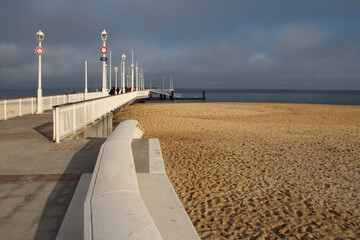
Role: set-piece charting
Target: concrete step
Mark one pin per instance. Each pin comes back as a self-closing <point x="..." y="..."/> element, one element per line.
<point x="157" y="192"/>
<point x="165" y="207"/>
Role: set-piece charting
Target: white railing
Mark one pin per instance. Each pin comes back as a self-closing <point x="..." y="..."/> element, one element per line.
<point x="10" y="108"/>
<point x="165" y="92"/>
<point x="70" y="118"/>
<point x="17" y="107"/>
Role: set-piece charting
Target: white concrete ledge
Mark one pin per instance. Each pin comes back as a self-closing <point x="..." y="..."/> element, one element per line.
<point x="165" y="207"/>
<point x="113" y="207"/>
<point x="122" y="215"/>
<point x="155" y="157"/>
<point x="122" y="203"/>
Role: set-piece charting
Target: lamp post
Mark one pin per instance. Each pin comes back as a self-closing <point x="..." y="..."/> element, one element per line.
<point x="86" y="88"/>
<point x="115" y="69"/>
<point x="40" y="37"/>
<point x="142" y="79"/>
<point x="110" y="72"/>
<point x="132" y="70"/>
<point x="137" y="76"/>
<point x="123" y="58"/>
<point x="104" y="37"/>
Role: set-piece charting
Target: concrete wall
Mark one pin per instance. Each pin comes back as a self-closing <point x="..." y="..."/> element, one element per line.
<point x="113" y="207"/>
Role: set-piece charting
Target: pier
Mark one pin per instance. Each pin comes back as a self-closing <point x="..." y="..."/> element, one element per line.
<point x="44" y="184"/>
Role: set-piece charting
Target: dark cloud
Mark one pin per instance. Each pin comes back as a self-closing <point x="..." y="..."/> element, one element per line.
<point x="205" y="44"/>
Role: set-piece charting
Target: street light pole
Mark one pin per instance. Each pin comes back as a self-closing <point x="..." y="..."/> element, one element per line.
<point x="116" y="69"/>
<point x="142" y="79"/>
<point x="40" y="37"/>
<point x="132" y="70"/>
<point x="86" y="89"/>
<point x="104" y="37"/>
<point x="110" y="72"/>
<point x="137" y="75"/>
<point x="123" y="58"/>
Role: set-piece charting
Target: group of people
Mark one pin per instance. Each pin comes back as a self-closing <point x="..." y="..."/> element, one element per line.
<point x="113" y="90"/>
<point x="117" y="90"/>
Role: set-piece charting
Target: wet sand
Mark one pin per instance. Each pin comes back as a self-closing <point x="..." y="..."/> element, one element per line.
<point x="261" y="171"/>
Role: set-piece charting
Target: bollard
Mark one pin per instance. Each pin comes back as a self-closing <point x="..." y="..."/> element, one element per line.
<point x="32" y="105"/>
<point x="20" y="112"/>
<point x="5" y="116"/>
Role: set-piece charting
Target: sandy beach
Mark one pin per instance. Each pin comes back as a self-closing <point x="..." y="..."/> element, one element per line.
<point x="261" y="171"/>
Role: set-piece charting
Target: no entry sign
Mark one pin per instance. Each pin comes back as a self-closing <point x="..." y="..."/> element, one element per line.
<point x="103" y="50"/>
<point x="39" y="50"/>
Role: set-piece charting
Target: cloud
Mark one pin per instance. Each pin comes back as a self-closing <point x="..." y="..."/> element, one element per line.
<point x="259" y="59"/>
<point x="205" y="43"/>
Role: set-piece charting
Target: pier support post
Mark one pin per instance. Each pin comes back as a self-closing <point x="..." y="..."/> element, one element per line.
<point x="172" y="95"/>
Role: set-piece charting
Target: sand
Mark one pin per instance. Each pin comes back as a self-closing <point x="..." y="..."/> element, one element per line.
<point x="261" y="171"/>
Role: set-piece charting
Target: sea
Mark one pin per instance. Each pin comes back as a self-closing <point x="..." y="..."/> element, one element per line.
<point x="335" y="97"/>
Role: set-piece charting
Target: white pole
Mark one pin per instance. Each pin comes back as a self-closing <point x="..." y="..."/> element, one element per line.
<point x="20" y="113"/>
<point x="116" y="69"/>
<point x="121" y="76"/>
<point x="137" y="76"/>
<point x="110" y="72"/>
<point x="86" y="88"/>
<point x="142" y="79"/>
<point x="128" y="78"/>
<point x="104" y="72"/>
<point x="123" y="58"/>
<point x="163" y="83"/>
<point x="132" y="70"/>
<point x="39" y="91"/>
<point x="5" y="115"/>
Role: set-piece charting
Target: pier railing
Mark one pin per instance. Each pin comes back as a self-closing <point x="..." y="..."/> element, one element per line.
<point x="70" y="118"/>
<point x="10" y="108"/>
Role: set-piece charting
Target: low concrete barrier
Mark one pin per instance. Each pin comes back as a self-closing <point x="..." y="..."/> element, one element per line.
<point x="113" y="207"/>
<point x="129" y="195"/>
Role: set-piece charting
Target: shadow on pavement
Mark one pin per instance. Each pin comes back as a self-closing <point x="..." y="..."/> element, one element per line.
<point x="46" y="130"/>
<point x="83" y="161"/>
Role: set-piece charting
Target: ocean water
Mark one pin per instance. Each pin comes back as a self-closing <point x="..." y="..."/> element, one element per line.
<point x="275" y="96"/>
<point x="232" y="95"/>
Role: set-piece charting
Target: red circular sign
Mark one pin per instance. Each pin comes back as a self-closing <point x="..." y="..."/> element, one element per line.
<point x="39" y="50"/>
<point x="103" y="50"/>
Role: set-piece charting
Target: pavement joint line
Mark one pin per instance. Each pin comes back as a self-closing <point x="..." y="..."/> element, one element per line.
<point x="40" y="177"/>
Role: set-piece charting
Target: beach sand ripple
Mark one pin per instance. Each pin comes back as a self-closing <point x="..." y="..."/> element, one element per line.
<point x="261" y="171"/>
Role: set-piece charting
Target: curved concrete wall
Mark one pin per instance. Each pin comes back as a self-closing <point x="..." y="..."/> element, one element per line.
<point x="113" y="207"/>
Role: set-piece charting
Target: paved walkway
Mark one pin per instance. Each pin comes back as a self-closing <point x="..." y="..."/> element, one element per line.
<point x="38" y="177"/>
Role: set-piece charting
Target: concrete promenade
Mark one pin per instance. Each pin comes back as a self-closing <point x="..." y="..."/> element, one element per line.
<point x="38" y="177"/>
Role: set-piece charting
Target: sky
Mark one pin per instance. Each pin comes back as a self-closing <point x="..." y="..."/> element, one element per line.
<point x="208" y="44"/>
